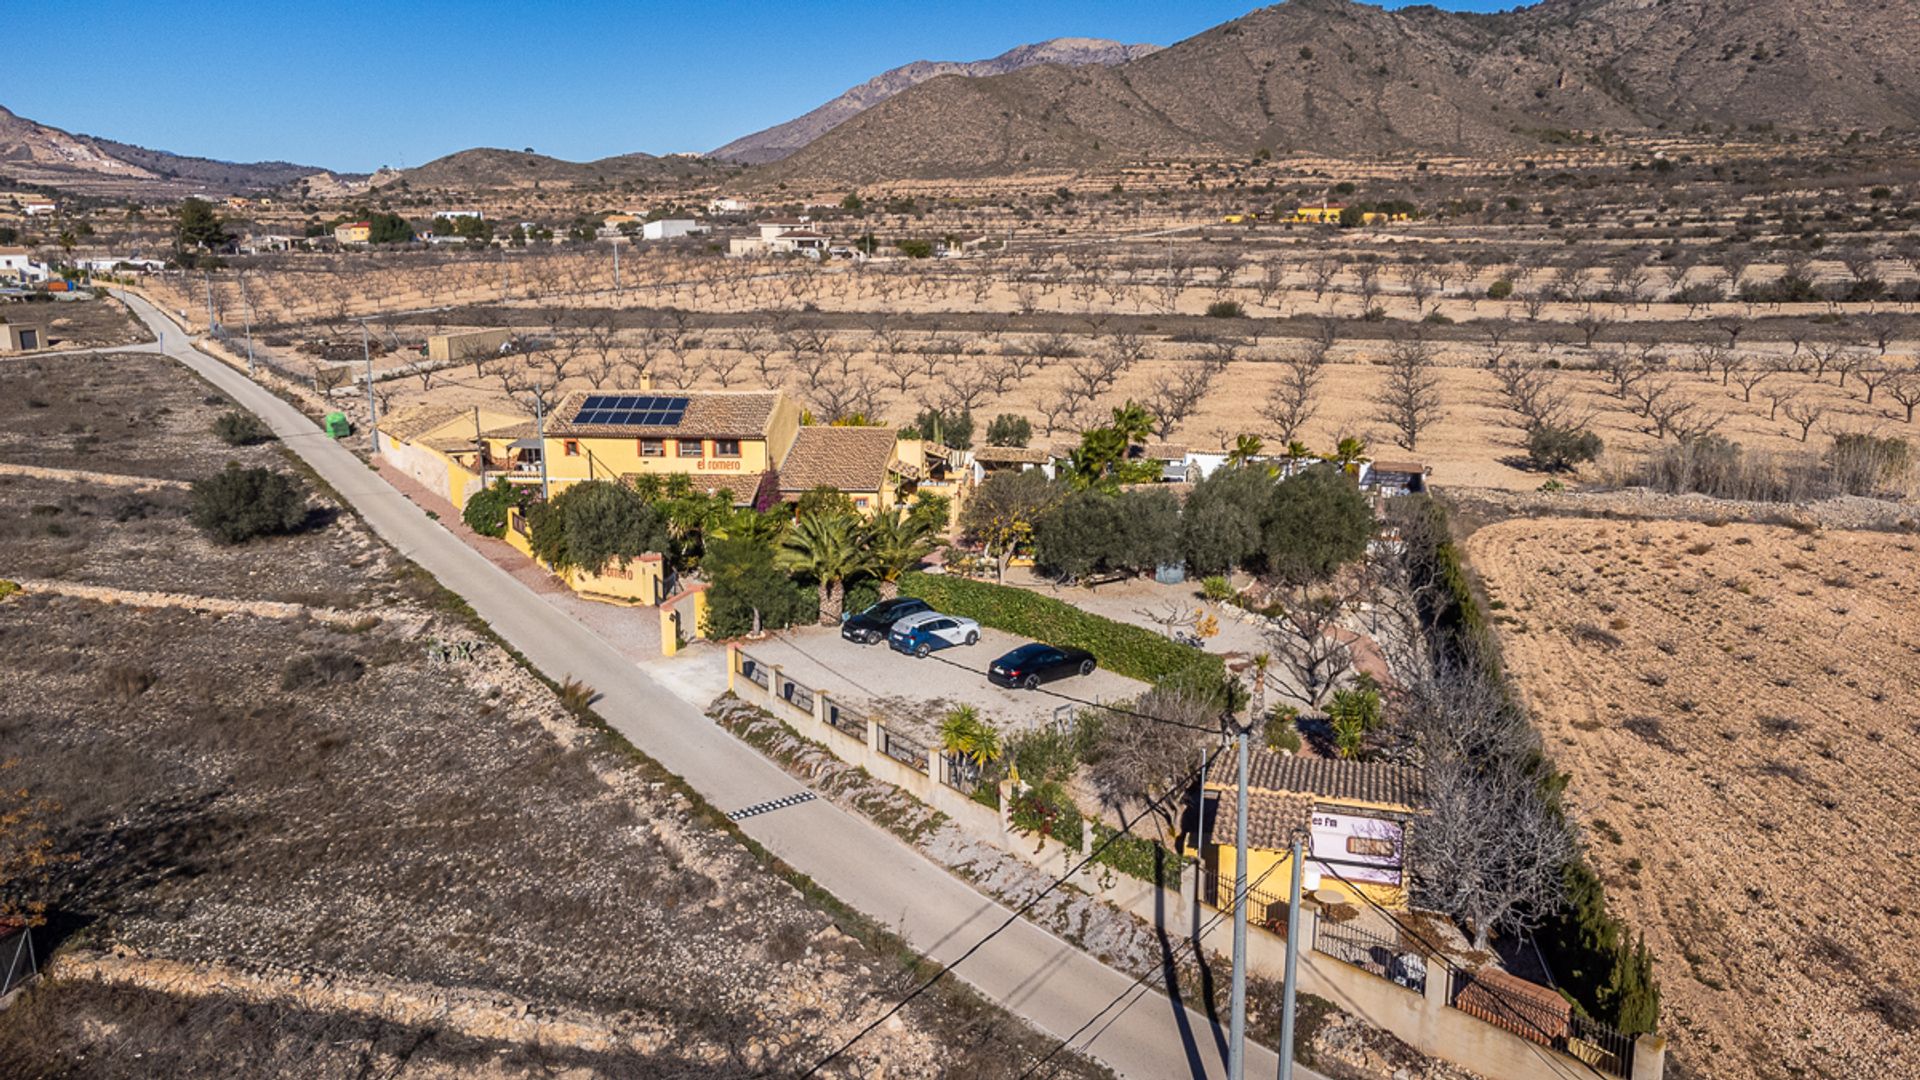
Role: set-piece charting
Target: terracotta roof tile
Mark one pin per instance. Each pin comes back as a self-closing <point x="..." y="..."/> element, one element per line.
<point x="1325" y="778"/>
<point x="843" y="458"/>
<point x="713" y="414"/>
<point x="1011" y="455"/>
<point x="409" y="424"/>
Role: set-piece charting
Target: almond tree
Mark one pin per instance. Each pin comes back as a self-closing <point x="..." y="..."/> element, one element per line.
<point x="1293" y="400"/>
<point x="1410" y="402"/>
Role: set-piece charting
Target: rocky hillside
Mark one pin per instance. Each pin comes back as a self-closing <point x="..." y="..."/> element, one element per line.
<point x="1342" y="77"/>
<point x="781" y="140"/>
<point x="490" y="169"/>
<point x="40" y="154"/>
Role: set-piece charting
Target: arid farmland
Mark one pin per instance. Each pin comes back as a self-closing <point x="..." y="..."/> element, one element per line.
<point x="1738" y="706"/>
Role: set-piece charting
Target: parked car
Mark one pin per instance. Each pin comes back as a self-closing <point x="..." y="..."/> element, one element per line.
<point x="1030" y="665"/>
<point x="931" y="631"/>
<point x="869" y="626"/>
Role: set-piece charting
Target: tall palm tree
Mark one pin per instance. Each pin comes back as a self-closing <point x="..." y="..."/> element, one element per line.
<point x="896" y="541"/>
<point x="1349" y="453"/>
<point x="827" y="548"/>
<point x="1245" y="449"/>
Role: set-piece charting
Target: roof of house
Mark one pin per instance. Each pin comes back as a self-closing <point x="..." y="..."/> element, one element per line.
<point x="1325" y="778"/>
<point x="1163" y="452"/>
<point x="742" y="486"/>
<point x="801" y="234"/>
<point x="409" y="424"/>
<point x="14" y="251"/>
<point x="1010" y="455"/>
<point x="843" y="458"/>
<point x="1274" y="819"/>
<point x="1411" y="468"/>
<point x="713" y="414"/>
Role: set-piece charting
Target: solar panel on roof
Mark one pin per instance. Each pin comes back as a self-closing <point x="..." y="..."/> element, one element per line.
<point x="631" y="410"/>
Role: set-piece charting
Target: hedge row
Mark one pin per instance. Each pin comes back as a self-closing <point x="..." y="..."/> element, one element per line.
<point x="1132" y="651"/>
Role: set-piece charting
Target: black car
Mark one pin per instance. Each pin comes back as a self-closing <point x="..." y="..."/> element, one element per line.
<point x="1030" y="665"/>
<point x="872" y="624"/>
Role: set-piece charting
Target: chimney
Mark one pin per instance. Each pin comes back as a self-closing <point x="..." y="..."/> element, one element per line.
<point x="646" y="381"/>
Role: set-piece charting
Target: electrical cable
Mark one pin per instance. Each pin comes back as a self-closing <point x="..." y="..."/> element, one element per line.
<point x="1144" y="981"/>
<point x="1179" y="789"/>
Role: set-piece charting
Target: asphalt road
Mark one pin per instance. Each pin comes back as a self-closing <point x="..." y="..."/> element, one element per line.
<point x="1028" y="970"/>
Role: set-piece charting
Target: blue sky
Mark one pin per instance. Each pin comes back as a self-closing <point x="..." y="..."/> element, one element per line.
<point x="353" y="85"/>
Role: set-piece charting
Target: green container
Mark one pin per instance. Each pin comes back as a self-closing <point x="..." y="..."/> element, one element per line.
<point x="336" y="426"/>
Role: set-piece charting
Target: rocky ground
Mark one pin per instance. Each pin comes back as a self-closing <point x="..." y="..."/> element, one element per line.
<point x="297" y="845"/>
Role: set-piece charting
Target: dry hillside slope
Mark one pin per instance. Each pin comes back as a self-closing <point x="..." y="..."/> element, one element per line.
<point x="1341" y="77"/>
<point x="778" y="141"/>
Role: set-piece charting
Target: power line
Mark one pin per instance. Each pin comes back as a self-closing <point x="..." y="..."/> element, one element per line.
<point x="1098" y="849"/>
<point x="1143" y="982"/>
<point x="1446" y="962"/>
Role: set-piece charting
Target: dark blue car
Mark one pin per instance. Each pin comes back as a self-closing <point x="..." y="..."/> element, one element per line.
<point x="1030" y="665"/>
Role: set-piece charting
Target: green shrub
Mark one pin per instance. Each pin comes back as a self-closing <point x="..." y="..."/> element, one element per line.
<point x="8" y="588"/>
<point x="1226" y="309"/>
<point x="1217" y="588"/>
<point x="916" y="249"/>
<point x="240" y="429"/>
<point x="744" y="580"/>
<point x="1500" y="290"/>
<point x="1135" y="856"/>
<point x="1126" y="650"/>
<point x="1281" y="736"/>
<point x="235" y="505"/>
<point x="328" y="667"/>
<point x="486" y="511"/>
<point x="1047" y="810"/>
<point x="1556" y="449"/>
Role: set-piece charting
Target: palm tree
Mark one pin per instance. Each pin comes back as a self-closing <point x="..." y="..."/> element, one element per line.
<point x="827" y="548"/>
<point x="1133" y="422"/>
<point x="1245" y="449"/>
<point x="965" y="737"/>
<point x="896" y="542"/>
<point x="1349" y="453"/>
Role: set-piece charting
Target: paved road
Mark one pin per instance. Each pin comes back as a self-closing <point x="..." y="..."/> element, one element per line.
<point x="1027" y="969"/>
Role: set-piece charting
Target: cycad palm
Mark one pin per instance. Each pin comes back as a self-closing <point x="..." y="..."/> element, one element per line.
<point x="964" y="735"/>
<point x="1133" y="422"/>
<point x="896" y="542"/>
<point x="1349" y="453"/>
<point x="829" y="549"/>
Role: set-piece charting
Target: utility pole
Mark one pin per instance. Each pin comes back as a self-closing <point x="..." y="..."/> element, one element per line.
<point x="540" y="432"/>
<point x="207" y="275"/>
<point x="616" y="264"/>
<point x="1237" y="1026"/>
<point x="373" y="414"/>
<point x="246" y="313"/>
<point x="1293" y="965"/>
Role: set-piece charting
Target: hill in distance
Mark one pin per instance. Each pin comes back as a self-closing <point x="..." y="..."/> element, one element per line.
<point x="488" y="169"/>
<point x="38" y="153"/>
<point x="1337" y="77"/>
<point x="778" y="141"/>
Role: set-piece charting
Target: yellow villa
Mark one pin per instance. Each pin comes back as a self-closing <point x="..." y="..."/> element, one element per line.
<point x="1356" y="818"/>
<point x="733" y="441"/>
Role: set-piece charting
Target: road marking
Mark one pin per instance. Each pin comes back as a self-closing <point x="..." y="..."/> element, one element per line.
<point x="771" y="805"/>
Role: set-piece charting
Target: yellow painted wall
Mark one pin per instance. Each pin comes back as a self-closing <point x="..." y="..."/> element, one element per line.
<point x="641" y="581"/>
<point x="1260" y="861"/>
<point x="613" y="458"/>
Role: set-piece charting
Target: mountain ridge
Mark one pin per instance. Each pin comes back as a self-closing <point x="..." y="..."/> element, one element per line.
<point x="38" y="153"/>
<point x="1335" y="76"/>
<point x="773" y="143"/>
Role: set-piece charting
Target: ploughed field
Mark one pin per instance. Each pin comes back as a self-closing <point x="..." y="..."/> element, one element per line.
<point x="1739" y="707"/>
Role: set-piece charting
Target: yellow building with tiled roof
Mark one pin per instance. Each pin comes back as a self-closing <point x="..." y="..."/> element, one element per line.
<point x="1354" y="816"/>
<point x="720" y="439"/>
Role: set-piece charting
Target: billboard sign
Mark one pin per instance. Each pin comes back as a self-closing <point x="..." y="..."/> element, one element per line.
<point x="1359" y="847"/>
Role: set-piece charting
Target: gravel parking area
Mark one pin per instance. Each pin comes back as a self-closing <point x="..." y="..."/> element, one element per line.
<point x="908" y="693"/>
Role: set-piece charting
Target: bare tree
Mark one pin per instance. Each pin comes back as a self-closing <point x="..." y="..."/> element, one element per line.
<point x="1750" y="373"/>
<point x="1904" y="387"/>
<point x="1591" y="324"/>
<point x="1410" y="401"/>
<point x="842" y="397"/>
<point x="1804" y="412"/>
<point x="1307" y="638"/>
<point x="1294" y="399"/>
<point x="1536" y="397"/>
<point x="1063" y="410"/>
<point x="1493" y="852"/>
<point x="1151" y="749"/>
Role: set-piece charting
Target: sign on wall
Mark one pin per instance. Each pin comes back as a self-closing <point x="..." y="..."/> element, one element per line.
<point x="1359" y="847"/>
